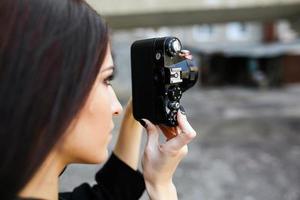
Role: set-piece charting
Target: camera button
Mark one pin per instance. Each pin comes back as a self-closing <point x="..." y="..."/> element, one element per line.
<point x="174" y="105"/>
<point x="158" y="56"/>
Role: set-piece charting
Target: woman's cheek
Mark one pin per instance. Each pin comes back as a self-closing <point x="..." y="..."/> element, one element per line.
<point x="100" y="107"/>
<point x="97" y="136"/>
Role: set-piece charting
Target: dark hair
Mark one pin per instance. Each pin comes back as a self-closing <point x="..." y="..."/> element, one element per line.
<point x="50" y="54"/>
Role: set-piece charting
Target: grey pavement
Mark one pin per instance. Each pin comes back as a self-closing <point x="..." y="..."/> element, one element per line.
<point x="247" y="148"/>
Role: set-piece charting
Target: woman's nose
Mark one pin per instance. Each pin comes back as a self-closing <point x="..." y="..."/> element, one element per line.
<point x="116" y="105"/>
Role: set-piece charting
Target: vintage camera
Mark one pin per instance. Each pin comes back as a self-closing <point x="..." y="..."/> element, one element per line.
<point x="159" y="77"/>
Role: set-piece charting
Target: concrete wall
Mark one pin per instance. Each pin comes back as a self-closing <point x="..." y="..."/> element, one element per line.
<point x="156" y="13"/>
<point x="118" y="7"/>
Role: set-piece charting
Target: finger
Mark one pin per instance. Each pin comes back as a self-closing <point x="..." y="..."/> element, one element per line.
<point x="178" y="142"/>
<point x="129" y="106"/>
<point x="130" y="100"/>
<point x="152" y="133"/>
<point x="185" y="126"/>
<point x="190" y="57"/>
<point x="186" y="53"/>
<point x="182" y="110"/>
<point x="188" y="133"/>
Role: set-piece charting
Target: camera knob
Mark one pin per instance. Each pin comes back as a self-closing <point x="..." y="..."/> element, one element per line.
<point x="174" y="105"/>
<point x="172" y="118"/>
<point x="173" y="46"/>
<point x="174" y="94"/>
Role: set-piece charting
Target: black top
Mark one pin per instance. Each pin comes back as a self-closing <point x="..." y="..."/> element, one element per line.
<point x="115" y="180"/>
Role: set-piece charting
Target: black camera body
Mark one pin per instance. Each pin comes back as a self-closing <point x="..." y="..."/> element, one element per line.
<point x="159" y="77"/>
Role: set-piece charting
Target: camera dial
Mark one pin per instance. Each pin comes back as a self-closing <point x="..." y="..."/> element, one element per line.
<point x="174" y="93"/>
<point x="174" y="105"/>
<point x="173" y="46"/>
<point x="172" y="117"/>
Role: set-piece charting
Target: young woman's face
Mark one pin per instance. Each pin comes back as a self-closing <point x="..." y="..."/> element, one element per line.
<point x="88" y="140"/>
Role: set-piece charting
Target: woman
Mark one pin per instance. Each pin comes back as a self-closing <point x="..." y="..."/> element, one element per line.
<point x="57" y="105"/>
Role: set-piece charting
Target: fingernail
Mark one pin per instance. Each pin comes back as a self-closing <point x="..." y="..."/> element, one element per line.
<point x="182" y="110"/>
<point x="143" y="123"/>
<point x="184" y="51"/>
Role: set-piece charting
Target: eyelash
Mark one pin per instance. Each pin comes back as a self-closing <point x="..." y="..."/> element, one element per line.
<point x="108" y="79"/>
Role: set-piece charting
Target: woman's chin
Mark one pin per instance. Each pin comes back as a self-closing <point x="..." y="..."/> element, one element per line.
<point x="94" y="159"/>
<point x="100" y="158"/>
<point x="103" y="158"/>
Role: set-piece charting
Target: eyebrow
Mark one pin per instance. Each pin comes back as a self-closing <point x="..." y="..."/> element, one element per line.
<point x="109" y="68"/>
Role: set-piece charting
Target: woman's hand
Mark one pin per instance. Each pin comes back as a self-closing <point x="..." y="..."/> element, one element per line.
<point x="161" y="160"/>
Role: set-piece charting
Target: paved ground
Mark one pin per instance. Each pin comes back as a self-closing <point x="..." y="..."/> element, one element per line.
<point x="248" y="147"/>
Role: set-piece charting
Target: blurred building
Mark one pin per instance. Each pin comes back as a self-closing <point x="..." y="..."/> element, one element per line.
<point x="249" y="43"/>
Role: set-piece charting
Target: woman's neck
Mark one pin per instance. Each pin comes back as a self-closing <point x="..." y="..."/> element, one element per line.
<point x="44" y="184"/>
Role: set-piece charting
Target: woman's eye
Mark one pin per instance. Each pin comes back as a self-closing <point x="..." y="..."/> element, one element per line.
<point x="108" y="80"/>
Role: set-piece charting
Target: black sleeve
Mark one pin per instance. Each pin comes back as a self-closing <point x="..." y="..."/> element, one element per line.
<point x="116" y="180"/>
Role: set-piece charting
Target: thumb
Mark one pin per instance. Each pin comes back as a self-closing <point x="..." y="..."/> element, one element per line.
<point x="188" y="134"/>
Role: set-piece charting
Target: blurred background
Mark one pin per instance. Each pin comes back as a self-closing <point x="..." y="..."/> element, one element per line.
<point x="245" y="106"/>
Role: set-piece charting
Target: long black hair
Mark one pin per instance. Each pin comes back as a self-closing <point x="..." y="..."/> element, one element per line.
<point x="50" y="54"/>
